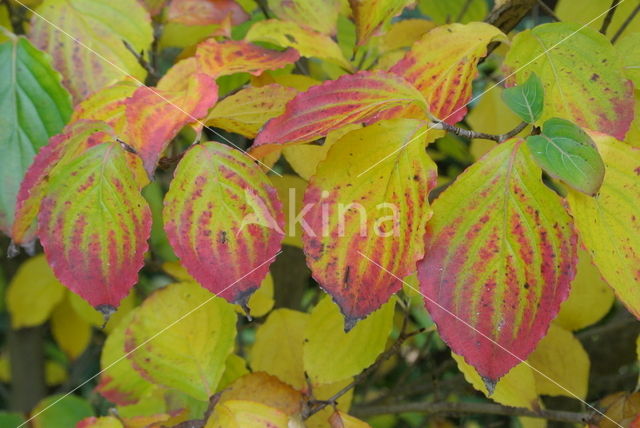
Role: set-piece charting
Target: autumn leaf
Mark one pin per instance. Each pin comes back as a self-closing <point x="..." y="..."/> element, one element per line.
<point x="205" y="12"/>
<point x="370" y="15"/>
<point x="223" y="219"/>
<point x="500" y="253"/>
<point x="85" y="41"/>
<point x="187" y="329"/>
<point x="581" y="73"/>
<point x="442" y="65"/>
<point x="94" y="225"/>
<point x="362" y="97"/>
<point x="242" y="413"/>
<point x="318" y="16"/>
<point x="613" y="214"/>
<point x="355" y="212"/>
<point x="33" y="107"/>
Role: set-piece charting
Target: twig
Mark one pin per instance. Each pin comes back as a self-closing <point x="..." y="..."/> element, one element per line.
<point x="625" y="24"/>
<point x="472" y="408"/>
<point x="15" y="17"/>
<point x="467" y="133"/>
<point x="263" y="7"/>
<point x="464" y="10"/>
<point x="609" y="17"/>
<point x="141" y="60"/>
<point x="548" y="10"/>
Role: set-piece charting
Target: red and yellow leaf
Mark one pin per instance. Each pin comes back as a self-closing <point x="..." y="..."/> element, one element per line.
<point x="582" y="74"/>
<point x="108" y="105"/>
<point x="609" y="223"/>
<point x="246" y="111"/>
<point x="369" y="15"/>
<point x="362" y="97"/>
<point x="320" y="16"/>
<point x="62" y="148"/>
<point x="156" y="115"/>
<point x="500" y="253"/>
<point x="442" y="65"/>
<point x="223" y="219"/>
<point x="66" y="28"/>
<point x="94" y="225"/>
<point x="223" y="58"/>
<point x="354" y="213"/>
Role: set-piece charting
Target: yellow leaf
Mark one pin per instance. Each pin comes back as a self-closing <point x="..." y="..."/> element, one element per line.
<point x="33" y="293"/>
<point x="244" y="414"/>
<point x="234" y="368"/>
<point x="190" y="356"/>
<point x="95" y="318"/>
<point x="590" y="297"/>
<point x="589" y="10"/>
<point x="330" y="354"/>
<point x="609" y="223"/>
<point x="261" y="301"/>
<point x="563" y="362"/>
<point x="307" y="42"/>
<point x="371" y="15"/>
<point x="492" y="115"/>
<point x="517" y="388"/>
<point x="71" y="332"/>
<point x="291" y="192"/>
<point x="54" y="373"/>
<point x="341" y="419"/>
<point x="280" y="354"/>
<point x="304" y="158"/>
<point x="299" y="82"/>
<point x="403" y="34"/>
<point x="447" y="11"/>
<point x="177" y="271"/>
<point x="246" y="111"/>
<point x="324" y="392"/>
<point x="320" y="16"/>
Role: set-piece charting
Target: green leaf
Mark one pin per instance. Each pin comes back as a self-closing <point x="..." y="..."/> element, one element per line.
<point x="526" y="100"/>
<point x="33" y="107"/>
<point x="330" y="354"/>
<point x="566" y="152"/>
<point x="182" y="336"/>
<point x="62" y="411"/>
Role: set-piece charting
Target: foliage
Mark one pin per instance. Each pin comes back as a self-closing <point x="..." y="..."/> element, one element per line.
<point x="198" y="174"/>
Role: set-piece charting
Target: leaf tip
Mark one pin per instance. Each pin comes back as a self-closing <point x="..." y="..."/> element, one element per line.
<point x="106" y="311"/>
<point x="350" y="322"/>
<point x="490" y="384"/>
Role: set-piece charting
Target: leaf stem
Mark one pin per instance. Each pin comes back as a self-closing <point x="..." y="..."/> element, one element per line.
<point x="440" y="408"/>
<point x="609" y="17"/>
<point x="467" y="133"/>
<point x="625" y="24"/>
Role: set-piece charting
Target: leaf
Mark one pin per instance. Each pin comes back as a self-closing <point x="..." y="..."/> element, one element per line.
<point x="95" y="56"/>
<point x="71" y="332"/>
<point x="526" y="100"/>
<point x="500" y="253"/>
<point x="340" y="419"/>
<point x="331" y="355"/>
<point x="262" y="301"/>
<point x="33" y="107"/>
<point x="304" y="158"/>
<point x="628" y="49"/>
<point x="362" y="97"/>
<point x="94" y="225"/>
<point x="102" y="422"/>
<point x="224" y="58"/>
<point x="307" y="42"/>
<point x="326" y="392"/>
<point x="318" y="16"/>
<point x="561" y="358"/>
<point x="205" y="12"/>
<point x="403" y="34"/>
<point x="246" y="111"/>
<point x="447" y="11"/>
<point x="156" y="115"/>
<point x="119" y="382"/>
<point x="11" y="419"/>
<point x="223" y="219"/>
<point x="517" y="388"/>
<point x="281" y="354"/>
<point x="359" y="218"/>
<point x="107" y="105"/>
<point x="582" y="76"/>
<point x="566" y="152"/>
<point x="189" y="355"/>
<point x="592" y="12"/>
<point x="265" y="389"/>
<point x="370" y="15"/>
<point x="242" y="413"/>
<point x="90" y="315"/>
<point x="442" y="65"/>
<point x="609" y="224"/>
<point x="235" y="368"/>
<point x="33" y="293"/>
<point x="62" y="149"/>
<point x="67" y="411"/>
<point x="590" y="298"/>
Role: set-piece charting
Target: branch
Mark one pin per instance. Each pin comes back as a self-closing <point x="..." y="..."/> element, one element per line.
<point x="473" y="134"/>
<point x="548" y="10"/>
<point x="509" y="14"/>
<point x="141" y="60"/>
<point x="625" y="24"/>
<point x="472" y="408"/>
<point x="609" y="17"/>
